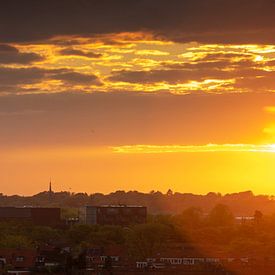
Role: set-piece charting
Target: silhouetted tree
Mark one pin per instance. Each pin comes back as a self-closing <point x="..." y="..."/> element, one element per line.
<point x="258" y="216"/>
<point x="220" y="215"/>
<point x="169" y="192"/>
<point x="190" y="217"/>
<point x="145" y="240"/>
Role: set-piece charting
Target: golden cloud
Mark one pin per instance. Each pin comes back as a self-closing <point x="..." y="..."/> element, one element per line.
<point x="156" y="149"/>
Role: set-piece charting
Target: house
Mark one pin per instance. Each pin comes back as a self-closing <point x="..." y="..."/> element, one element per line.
<point x="19" y="259"/>
<point x="50" y="257"/>
<point x="113" y="255"/>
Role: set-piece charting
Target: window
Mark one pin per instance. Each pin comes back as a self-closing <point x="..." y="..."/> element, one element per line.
<point x="19" y="259"/>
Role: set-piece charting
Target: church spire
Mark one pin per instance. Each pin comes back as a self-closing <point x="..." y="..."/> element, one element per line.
<point x="50" y="192"/>
<point x="50" y="186"/>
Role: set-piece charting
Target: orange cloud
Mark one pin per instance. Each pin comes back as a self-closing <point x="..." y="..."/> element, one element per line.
<point x="140" y="62"/>
<point x="156" y="149"/>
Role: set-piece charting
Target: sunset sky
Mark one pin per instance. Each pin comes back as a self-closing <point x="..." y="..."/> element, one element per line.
<point x="137" y="95"/>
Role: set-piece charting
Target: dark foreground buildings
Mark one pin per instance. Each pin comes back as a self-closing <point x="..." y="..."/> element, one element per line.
<point x="103" y="215"/>
<point x="113" y="215"/>
<point x="35" y="215"/>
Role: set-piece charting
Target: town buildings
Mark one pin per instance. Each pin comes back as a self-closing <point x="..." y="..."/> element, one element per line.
<point x="113" y="215"/>
<point x="35" y="215"/>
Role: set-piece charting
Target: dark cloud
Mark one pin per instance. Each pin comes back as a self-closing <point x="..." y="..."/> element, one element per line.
<point x="224" y="56"/>
<point x="11" y="55"/>
<point x="209" y="21"/>
<point x="153" y="76"/>
<point x="270" y="63"/>
<point x="202" y="65"/>
<point x="77" y="78"/>
<point x="12" y="77"/>
<point x="7" y="48"/>
<point x="172" y="76"/>
<point x="186" y="72"/>
<point x="263" y="82"/>
<point x="70" y="51"/>
<point x="16" y="76"/>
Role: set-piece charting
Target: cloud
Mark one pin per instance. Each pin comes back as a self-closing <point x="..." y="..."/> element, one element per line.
<point x="212" y="65"/>
<point x="233" y="58"/>
<point x="189" y="72"/>
<point x="151" y="52"/>
<point x="11" y="55"/>
<point x="233" y="68"/>
<point x="157" y="149"/>
<point x="77" y="78"/>
<point x="13" y="77"/>
<point x="144" y="76"/>
<point x="262" y="81"/>
<point x="208" y="68"/>
<point x="208" y="21"/>
<point x="156" y="76"/>
<point x="75" y="52"/>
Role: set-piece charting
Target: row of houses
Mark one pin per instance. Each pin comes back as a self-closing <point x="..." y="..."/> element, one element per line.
<point x="30" y="260"/>
<point x="117" y="257"/>
<point x="188" y="261"/>
<point x="94" y="258"/>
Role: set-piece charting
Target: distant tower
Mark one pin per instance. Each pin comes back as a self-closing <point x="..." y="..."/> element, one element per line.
<point x="50" y="189"/>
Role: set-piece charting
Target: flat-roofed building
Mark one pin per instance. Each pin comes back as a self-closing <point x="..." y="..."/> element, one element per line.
<point x="113" y="214"/>
<point x="36" y="215"/>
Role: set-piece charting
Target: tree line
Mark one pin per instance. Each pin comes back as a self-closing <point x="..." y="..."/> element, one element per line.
<point x="212" y="234"/>
<point x="241" y="204"/>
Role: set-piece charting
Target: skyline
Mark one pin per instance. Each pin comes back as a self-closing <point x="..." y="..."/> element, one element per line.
<point x="146" y="95"/>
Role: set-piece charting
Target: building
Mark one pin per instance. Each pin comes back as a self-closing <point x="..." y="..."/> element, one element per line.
<point x="244" y="219"/>
<point x="113" y="215"/>
<point x="20" y="259"/>
<point x="116" y="255"/>
<point x="35" y="215"/>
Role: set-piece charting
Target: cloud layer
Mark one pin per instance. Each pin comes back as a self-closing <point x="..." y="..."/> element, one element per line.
<point x="209" y="21"/>
<point x="11" y="55"/>
<point x="135" y="63"/>
<point x="178" y="46"/>
<point x="214" y="148"/>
